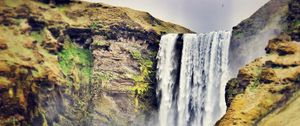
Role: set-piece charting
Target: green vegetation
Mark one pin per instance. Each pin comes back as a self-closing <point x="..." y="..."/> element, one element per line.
<point x="77" y="62"/>
<point x="13" y="3"/>
<point x="254" y="85"/>
<point x="62" y="8"/>
<point x="142" y="80"/>
<point x="104" y="77"/>
<point x="257" y="71"/>
<point x="38" y="36"/>
<point x="296" y="23"/>
<point x="95" y="26"/>
<point x="136" y="55"/>
<point x="239" y="35"/>
<point x="99" y="43"/>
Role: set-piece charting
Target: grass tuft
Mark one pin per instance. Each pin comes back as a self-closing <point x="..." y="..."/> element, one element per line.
<point x="75" y="58"/>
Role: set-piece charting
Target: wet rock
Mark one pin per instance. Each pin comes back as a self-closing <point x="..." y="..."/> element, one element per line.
<point x="55" y="32"/>
<point x="55" y="1"/>
<point x="293" y="18"/>
<point x="80" y="35"/>
<point x="232" y="89"/>
<point x="123" y="31"/>
<point x="36" y="23"/>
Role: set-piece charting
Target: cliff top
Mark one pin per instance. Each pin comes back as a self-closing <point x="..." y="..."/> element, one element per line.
<point x="95" y="15"/>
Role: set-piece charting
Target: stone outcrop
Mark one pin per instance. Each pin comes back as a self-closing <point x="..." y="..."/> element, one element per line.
<point x="266" y="90"/>
<point x="293" y="20"/>
<point x="264" y="85"/>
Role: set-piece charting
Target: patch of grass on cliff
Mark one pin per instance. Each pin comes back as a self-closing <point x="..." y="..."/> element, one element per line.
<point x="142" y="80"/>
<point x="38" y="36"/>
<point x="95" y="26"/>
<point x="75" y="58"/>
<point x="13" y="3"/>
<point x="254" y="85"/>
<point x="104" y="77"/>
<point x="99" y="43"/>
<point x="257" y="71"/>
<point x="296" y="23"/>
<point x="136" y="55"/>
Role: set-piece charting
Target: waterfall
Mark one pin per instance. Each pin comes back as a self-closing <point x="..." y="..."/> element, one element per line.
<point x="192" y="78"/>
<point x="167" y="72"/>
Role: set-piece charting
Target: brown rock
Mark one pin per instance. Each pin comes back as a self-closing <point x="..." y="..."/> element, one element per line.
<point x="52" y="46"/>
<point x="287" y="48"/>
<point x="281" y="45"/>
<point x="3" y="45"/>
<point x="30" y="44"/>
<point x="268" y="75"/>
<point x="4" y="67"/>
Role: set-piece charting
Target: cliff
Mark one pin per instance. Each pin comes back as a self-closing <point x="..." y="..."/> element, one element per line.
<point x="251" y="35"/>
<point x="265" y="85"/>
<point x="266" y="90"/>
<point x="77" y="63"/>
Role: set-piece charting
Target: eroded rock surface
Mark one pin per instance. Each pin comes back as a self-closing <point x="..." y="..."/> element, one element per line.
<point x="264" y="85"/>
<point x="70" y="63"/>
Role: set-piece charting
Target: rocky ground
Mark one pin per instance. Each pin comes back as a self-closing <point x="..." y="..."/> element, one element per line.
<point x="77" y="63"/>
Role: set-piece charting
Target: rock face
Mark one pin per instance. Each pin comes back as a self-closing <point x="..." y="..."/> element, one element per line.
<point x="293" y="18"/>
<point x="264" y="85"/>
<point x="55" y="1"/>
<point x="77" y="64"/>
<point x="251" y="35"/>
<point x="265" y="91"/>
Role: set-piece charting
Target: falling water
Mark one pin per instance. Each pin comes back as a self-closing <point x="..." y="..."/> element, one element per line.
<point x="192" y="80"/>
<point x="167" y="71"/>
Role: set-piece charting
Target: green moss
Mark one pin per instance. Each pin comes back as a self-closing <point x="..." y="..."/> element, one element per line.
<point x="104" y="77"/>
<point x="257" y="70"/>
<point x="4" y="81"/>
<point x="254" y="85"/>
<point x="136" y="55"/>
<point x="62" y="8"/>
<point x="239" y="35"/>
<point x="13" y="3"/>
<point x="142" y="80"/>
<point x="296" y="23"/>
<point x="99" y="43"/>
<point x="75" y="58"/>
<point x="38" y="36"/>
<point x="95" y="26"/>
<point x="140" y="88"/>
